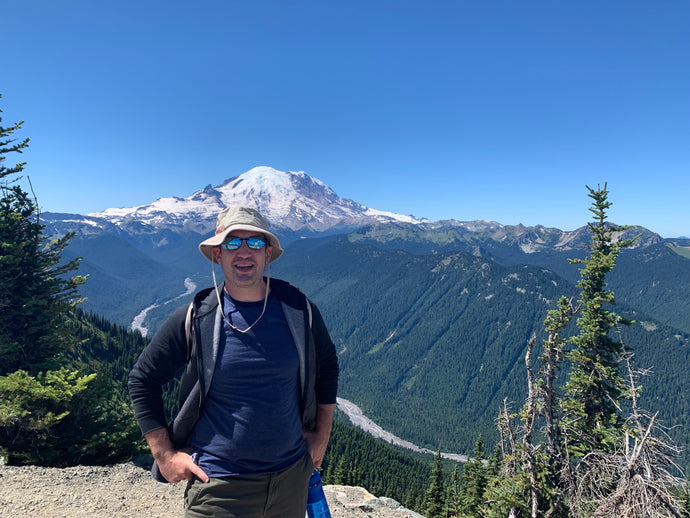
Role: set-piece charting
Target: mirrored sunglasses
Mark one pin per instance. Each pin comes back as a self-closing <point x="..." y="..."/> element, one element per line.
<point x="255" y="243"/>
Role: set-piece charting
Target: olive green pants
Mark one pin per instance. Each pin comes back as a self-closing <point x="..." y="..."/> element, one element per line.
<point x="277" y="495"/>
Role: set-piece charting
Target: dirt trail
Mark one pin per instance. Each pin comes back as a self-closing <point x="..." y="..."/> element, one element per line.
<point x="128" y="491"/>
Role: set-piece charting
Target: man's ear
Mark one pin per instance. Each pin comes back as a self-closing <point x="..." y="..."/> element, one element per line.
<point x="216" y="253"/>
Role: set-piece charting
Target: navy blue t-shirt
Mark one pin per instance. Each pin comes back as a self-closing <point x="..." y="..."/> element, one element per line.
<point x="251" y="422"/>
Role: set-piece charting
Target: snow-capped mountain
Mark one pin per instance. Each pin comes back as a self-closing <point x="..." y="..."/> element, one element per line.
<point x="289" y="200"/>
<point x="296" y="205"/>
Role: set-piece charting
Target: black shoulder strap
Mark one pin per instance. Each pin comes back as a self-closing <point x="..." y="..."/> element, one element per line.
<point x="189" y="319"/>
<point x="309" y="311"/>
<point x="189" y="332"/>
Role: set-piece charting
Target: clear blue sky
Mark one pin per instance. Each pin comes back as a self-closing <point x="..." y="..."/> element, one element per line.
<point x="496" y="110"/>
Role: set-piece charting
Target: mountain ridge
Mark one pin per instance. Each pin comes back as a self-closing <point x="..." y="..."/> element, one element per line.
<point x="163" y="236"/>
<point x="298" y="205"/>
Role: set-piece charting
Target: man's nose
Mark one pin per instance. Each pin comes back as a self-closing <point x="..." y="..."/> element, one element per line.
<point x="244" y="247"/>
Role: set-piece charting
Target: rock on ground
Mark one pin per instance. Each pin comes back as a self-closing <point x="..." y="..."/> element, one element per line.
<point x="125" y="491"/>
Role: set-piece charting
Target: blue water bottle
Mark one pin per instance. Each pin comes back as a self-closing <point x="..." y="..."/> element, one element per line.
<point x="317" y="506"/>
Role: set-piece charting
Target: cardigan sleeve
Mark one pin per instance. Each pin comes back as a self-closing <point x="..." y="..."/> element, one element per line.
<point x="328" y="370"/>
<point x="157" y="364"/>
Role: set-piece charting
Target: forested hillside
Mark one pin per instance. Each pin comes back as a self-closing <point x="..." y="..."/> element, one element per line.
<point x="123" y="276"/>
<point x="106" y="347"/>
<point x="653" y="276"/>
<point x="430" y="345"/>
<point x="439" y="337"/>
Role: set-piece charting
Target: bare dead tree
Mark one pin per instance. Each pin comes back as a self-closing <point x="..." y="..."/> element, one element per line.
<point x="530" y="417"/>
<point x="507" y="435"/>
<point x="633" y="481"/>
<point x="509" y="448"/>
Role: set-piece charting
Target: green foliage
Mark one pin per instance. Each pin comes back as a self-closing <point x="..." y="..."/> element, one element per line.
<point x="584" y="464"/>
<point x="105" y="346"/>
<point x="453" y="504"/>
<point x="508" y="496"/>
<point x="34" y="404"/>
<point x="35" y="296"/>
<point x="683" y="495"/>
<point x="61" y="418"/>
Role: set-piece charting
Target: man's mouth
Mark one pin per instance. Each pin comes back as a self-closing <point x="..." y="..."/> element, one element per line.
<point x="244" y="267"/>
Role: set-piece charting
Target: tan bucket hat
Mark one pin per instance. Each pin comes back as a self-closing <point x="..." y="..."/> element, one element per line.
<point x="239" y="218"/>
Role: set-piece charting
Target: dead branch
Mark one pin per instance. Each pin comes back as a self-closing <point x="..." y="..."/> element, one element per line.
<point x="634" y="481"/>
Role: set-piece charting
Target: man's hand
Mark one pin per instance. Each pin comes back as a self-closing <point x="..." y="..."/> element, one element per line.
<point x="179" y="466"/>
<point x="174" y="465"/>
<point x="317" y="441"/>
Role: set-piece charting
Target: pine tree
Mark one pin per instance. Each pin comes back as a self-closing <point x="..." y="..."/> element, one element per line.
<point x="354" y="474"/>
<point x="35" y="296"/>
<point x="453" y="505"/>
<point x="494" y="465"/>
<point x="434" y="503"/>
<point x="50" y="414"/>
<point x="595" y="388"/>
<point x="338" y="475"/>
<point x="474" y="481"/>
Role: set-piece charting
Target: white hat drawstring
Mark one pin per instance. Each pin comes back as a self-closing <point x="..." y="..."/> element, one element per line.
<point x="220" y="304"/>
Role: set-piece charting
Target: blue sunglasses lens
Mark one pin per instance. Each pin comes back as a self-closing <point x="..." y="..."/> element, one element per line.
<point x="255" y="243"/>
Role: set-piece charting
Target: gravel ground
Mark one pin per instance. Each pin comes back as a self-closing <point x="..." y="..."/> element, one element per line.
<point x="126" y="490"/>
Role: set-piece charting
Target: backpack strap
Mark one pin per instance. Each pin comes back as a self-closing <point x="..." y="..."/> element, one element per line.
<point x="309" y="311"/>
<point x="189" y="332"/>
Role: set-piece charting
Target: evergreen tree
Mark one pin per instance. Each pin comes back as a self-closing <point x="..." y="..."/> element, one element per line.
<point x="493" y="468"/>
<point x="434" y="503"/>
<point x="595" y="388"/>
<point x="685" y="498"/>
<point x="338" y="475"/>
<point x="50" y="414"/>
<point x="453" y="505"/>
<point x="35" y="296"/>
<point x="354" y="474"/>
<point x="474" y="481"/>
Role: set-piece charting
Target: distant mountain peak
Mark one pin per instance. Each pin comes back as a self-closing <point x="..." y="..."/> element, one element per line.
<point x="289" y="200"/>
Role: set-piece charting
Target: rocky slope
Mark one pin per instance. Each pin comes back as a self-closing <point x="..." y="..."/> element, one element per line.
<point x="125" y="490"/>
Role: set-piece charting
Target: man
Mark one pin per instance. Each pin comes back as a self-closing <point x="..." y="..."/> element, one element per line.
<point x="258" y="394"/>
